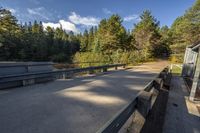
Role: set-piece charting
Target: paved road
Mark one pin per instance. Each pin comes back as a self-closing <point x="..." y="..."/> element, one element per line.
<point x="79" y="105"/>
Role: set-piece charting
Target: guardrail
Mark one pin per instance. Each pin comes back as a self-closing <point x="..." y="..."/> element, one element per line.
<point x="143" y="102"/>
<point x="79" y="64"/>
<point x="37" y="77"/>
<point x="8" y="68"/>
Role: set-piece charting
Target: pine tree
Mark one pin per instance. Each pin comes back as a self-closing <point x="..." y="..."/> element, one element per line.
<point x="186" y="29"/>
<point x="146" y="35"/>
<point x="9" y="33"/>
<point x="111" y="34"/>
<point x="91" y="39"/>
<point x="85" y="41"/>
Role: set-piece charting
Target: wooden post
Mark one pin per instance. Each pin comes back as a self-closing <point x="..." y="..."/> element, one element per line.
<point x="196" y="78"/>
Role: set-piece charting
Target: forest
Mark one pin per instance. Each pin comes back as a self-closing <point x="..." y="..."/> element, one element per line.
<point x="108" y="42"/>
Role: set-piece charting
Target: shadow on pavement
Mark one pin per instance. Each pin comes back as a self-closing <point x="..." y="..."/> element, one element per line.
<point x="76" y="105"/>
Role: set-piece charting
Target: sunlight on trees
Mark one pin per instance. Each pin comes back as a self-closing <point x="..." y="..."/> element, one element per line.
<point x="108" y="42"/>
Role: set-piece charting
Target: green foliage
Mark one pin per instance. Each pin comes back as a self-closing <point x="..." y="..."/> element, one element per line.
<point x="33" y="43"/>
<point x="88" y="40"/>
<point x="9" y="33"/>
<point x="176" y="58"/>
<point x="176" y="70"/>
<point x="147" y="37"/>
<point x="132" y="58"/>
<point x="186" y="29"/>
<point x="86" y="59"/>
<point x="111" y="34"/>
<point x="110" y="42"/>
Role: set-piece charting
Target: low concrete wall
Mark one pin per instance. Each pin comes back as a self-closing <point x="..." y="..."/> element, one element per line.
<point x="12" y="68"/>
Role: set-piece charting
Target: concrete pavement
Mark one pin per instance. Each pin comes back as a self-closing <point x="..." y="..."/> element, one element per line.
<point x="78" y="105"/>
<point x="182" y="116"/>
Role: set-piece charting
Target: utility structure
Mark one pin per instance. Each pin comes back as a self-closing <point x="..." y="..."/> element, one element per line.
<point x="191" y="69"/>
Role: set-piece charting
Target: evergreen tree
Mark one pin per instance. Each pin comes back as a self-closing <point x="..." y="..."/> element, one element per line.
<point x="31" y="42"/>
<point x="91" y="39"/>
<point x="111" y="34"/>
<point x="186" y="29"/>
<point x="146" y="35"/>
<point x="85" y="41"/>
<point x="9" y="33"/>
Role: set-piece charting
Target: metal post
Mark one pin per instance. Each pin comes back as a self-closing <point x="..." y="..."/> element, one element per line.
<point x="195" y="79"/>
<point x="64" y="76"/>
<point x="27" y="68"/>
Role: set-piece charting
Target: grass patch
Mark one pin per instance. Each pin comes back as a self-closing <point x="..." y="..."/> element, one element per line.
<point x="176" y="69"/>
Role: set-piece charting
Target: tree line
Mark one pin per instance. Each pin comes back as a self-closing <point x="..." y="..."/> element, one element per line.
<point x="108" y="42"/>
<point x="186" y="29"/>
<point x="31" y="42"/>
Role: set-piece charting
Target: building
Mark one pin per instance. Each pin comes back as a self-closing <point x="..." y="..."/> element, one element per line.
<point x="191" y="70"/>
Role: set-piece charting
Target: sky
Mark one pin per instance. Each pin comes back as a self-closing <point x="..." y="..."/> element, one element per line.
<point x="77" y="15"/>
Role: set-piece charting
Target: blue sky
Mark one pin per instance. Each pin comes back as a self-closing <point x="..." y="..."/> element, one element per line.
<point x="77" y="15"/>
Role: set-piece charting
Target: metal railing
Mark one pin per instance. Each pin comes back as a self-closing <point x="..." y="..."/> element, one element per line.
<point x="151" y="90"/>
<point x="30" y="78"/>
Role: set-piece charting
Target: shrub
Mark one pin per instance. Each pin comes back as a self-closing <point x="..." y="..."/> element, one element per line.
<point x="177" y="58"/>
<point x="86" y="59"/>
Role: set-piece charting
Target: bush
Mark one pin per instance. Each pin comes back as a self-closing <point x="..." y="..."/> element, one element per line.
<point x="178" y="48"/>
<point x="177" y="58"/>
<point x="86" y="59"/>
<point x="128" y="57"/>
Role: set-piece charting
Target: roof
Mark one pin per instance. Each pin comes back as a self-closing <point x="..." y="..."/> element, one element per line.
<point x="195" y="46"/>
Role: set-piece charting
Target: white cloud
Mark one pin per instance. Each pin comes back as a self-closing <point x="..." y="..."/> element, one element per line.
<point x="40" y="11"/>
<point x="35" y="11"/>
<point x="87" y="21"/>
<point x="12" y="10"/>
<point x="68" y="26"/>
<point x="106" y="11"/>
<point x="132" y="17"/>
<point x="52" y="25"/>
